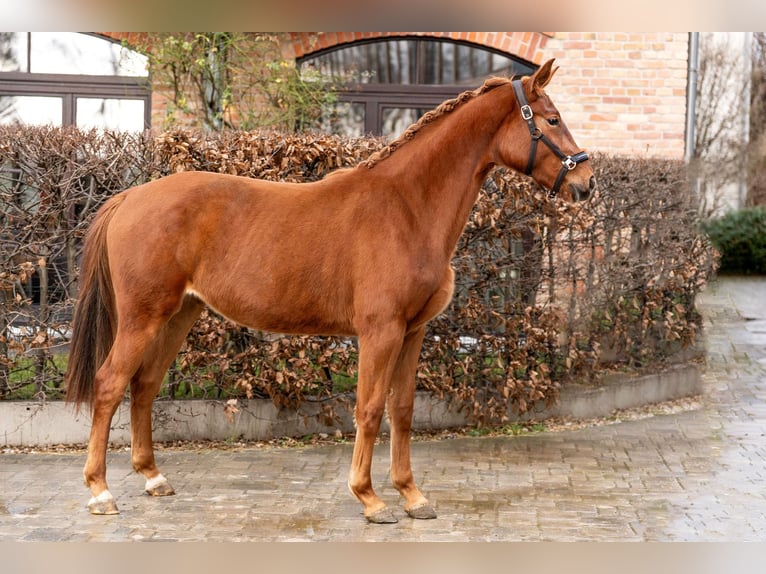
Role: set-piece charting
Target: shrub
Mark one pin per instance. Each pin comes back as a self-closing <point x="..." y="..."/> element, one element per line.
<point x="547" y="293"/>
<point x="740" y="236"/>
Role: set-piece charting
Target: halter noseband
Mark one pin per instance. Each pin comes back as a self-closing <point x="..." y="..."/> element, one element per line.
<point x="568" y="162"/>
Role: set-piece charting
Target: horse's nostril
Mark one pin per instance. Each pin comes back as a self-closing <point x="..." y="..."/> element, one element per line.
<point x="592" y="184"/>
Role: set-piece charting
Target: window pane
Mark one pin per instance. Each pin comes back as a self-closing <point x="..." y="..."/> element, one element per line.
<point x="414" y="61"/>
<point x="344" y="118"/>
<point x="13" y="51"/>
<point x="73" y="53"/>
<point x="389" y="62"/>
<point x="113" y="114"/>
<point x="32" y="110"/>
<point x="395" y="120"/>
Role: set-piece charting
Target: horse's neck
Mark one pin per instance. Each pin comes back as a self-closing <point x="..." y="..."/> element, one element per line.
<point x="441" y="170"/>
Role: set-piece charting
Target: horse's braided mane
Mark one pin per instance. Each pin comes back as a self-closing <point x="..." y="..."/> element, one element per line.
<point x="429" y="117"/>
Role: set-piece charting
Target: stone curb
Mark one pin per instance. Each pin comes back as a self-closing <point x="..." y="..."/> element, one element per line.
<point x="28" y="423"/>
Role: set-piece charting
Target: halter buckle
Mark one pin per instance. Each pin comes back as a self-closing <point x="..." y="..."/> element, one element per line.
<point x="569" y="163"/>
<point x="526" y="112"/>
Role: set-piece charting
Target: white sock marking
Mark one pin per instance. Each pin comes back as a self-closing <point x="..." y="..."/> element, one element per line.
<point x="152" y="483"/>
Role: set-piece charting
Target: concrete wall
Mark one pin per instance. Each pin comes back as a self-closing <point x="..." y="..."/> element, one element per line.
<point x="39" y="423"/>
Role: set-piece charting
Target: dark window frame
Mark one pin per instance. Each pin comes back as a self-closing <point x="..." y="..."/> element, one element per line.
<point x="70" y="87"/>
<point x="376" y="97"/>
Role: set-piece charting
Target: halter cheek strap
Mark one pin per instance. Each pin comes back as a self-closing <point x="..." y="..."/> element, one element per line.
<point x="568" y="162"/>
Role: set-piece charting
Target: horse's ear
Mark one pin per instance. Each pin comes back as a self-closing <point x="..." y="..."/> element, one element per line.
<point x="542" y="76"/>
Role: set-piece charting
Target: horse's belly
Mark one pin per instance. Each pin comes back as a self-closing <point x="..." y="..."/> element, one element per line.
<point x="279" y="314"/>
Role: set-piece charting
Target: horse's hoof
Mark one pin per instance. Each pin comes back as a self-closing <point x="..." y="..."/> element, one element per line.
<point x="103" y="504"/>
<point x="159" y="486"/>
<point x="422" y="512"/>
<point x="382" y="516"/>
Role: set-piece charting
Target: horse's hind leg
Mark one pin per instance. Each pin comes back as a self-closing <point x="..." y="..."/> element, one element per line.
<point x="111" y="381"/>
<point x="144" y="388"/>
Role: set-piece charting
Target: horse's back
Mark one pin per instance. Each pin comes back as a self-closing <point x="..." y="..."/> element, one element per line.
<point x="251" y="249"/>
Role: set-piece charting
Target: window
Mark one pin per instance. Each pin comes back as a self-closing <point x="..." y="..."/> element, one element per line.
<point x="390" y="83"/>
<point x="66" y="78"/>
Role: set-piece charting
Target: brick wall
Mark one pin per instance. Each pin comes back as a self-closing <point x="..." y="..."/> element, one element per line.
<point x="622" y="92"/>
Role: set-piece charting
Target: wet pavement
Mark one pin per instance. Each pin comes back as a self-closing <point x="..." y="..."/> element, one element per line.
<point x="696" y="475"/>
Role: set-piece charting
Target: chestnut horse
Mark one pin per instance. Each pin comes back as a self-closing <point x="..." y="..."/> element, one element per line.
<point x="364" y="252"/>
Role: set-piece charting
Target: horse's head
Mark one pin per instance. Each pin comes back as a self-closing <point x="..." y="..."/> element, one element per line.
<point x="539" y="144"/>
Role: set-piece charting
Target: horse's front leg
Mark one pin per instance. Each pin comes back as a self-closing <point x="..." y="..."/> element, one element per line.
<point x="400" y="408"/>
<point x="378" y="354"/>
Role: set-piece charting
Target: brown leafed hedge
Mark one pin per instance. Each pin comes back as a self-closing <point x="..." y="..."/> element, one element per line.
<point x="547" y="293"/>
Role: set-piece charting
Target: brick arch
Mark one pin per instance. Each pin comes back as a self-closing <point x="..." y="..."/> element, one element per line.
<point x="526" y="45"/>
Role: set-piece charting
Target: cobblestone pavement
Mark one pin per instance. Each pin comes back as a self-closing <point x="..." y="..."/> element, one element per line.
<point x="697" y="475"/>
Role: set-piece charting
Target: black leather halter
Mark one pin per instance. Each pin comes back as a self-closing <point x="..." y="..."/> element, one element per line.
<point x="568" y="162"/>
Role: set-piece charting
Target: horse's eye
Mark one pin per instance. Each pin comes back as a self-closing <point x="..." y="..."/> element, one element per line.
<point x="554" y="121"/>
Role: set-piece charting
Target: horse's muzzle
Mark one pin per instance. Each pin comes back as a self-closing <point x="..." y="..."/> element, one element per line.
<point x="581" y="193"/>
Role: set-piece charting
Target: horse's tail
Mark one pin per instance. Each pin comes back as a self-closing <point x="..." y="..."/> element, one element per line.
<point x="95" y="319"/>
